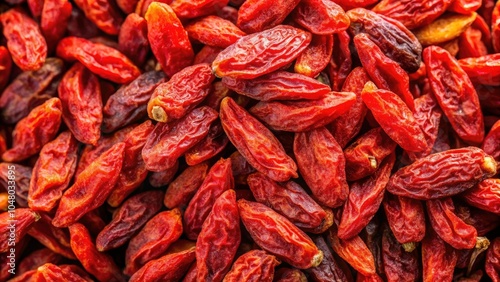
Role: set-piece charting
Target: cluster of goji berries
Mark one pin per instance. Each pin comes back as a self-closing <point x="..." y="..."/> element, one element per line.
<point x="257" y="140"/>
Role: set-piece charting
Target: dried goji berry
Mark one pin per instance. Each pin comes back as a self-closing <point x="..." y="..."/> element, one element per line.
<point x="169" y="141"/>
<point x="83" y="119"/>
<point x="248" y="58"/>
<point x="303" y="115"/>
<point x="259" y="15"/>
<point x="328" y="269"/>
<point x="406" y="218"/>
<point x="483" y="69"/>
<point x="395" y="118"/>
<point x="321" y="16"/>
<point x="206" y="55"/>
<point x="188" y="9"/>
<point x="482" y="220"/>
<point x="384" y="72"/>
<point x="253" y="266"/>
<point x="277" y="235"/>
<point x="321" y="163"/>
<point x="218" y="180"/>
<point x="54" y="21"/>
<point x="170" y="267"/>
<point x="210" y="146"/>
<point x="364" y="156"/>
<point x="411" y="13"/>
<point x="55" y="239"/>
<point x="354" y="251"/>
<point x="22" y="219"/>
<point x="495" y="27"/>
<point x="492" y="265"/>
<point x="491" y="143"/>
<point x="86" y="252"/>
<point x="25" y="41"/>
<point x="459" y="170"/>
<point x="183" y="92"/>
<point x="133" y="39"/>
<point x="255" y="142"/>
<point x="5" y="68"/>
<point x="444" y="29"/>
<point x="153" y="240"/>
<point x="34" y="131"/>
<point x="485" y="195"/>
<point x="91" y="153"/>
<point x="129" y="103"/>
<point x="102" y="60"/>
<point x="183" y="188"/>
<point x="390" y="35"/>
<point x="30" y="89"/>
<point x="471" y="44"/>
<point x="52" y="272"/>
<point x="52" y="172"/>
<point x="365" y="197"/>
<point x="103" y="13"/>
<point x="219" y="239"/>
<point x="449" y="226"/>
<point x="455" y="94"/>
<point x="428" y="116"/>
<point x="162" y="178"/>
<point x="438" y="258"/>
<point x="348" y="125"/>
<point x="214" y="31"/>
<point x="316" y="56"/>
<point x="133" y="171"/>
<point x="128" y="219"/>
<point x="127" y="6"/>
<point x="86" y="195"/>
<point x="289" y="199"/>
<point x="168" y="39"/>
<point x="38" y="258"/>
<point x="399" y="265"/>
<point x="279" y="85"/>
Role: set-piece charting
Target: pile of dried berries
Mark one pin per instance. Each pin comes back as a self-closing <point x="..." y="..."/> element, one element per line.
<point x="257" y="140"/>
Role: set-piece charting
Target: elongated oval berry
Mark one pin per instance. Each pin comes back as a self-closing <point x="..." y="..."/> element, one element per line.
<point x="322" y="165"/>
<point x="219" y="239"/>
<point x="395" y="118"/>
<point x="455" y="94"/>
<point x="91" y="187"/>
<point x="169" y="141"/>
<point x="258" y="15"/>
<point x="186" y="89"/>
<point x="449" y="226"/>
<point x="279" y="85"/>
<point x="218" y="180"/>
<point x="393" y="38"/>
<point x="277" y="235"/>
<point x="100" y="59"/>
<point x="303" y="115"/>
<point x="365" y="197"/>
<point x="442" y="174"/>
<point x="25" y="41"/>
<point x="321" y="16"/>
<point x="83" y="119"/>
<point x="168" y="39"/>
<point x="290" y="200"/>
<point x="255" y="142"/>
<point x="153" y="240"/>
<point x="253" y="266"/>
<point x="261" y="53"/>
<point x="35" y="130"/>
<point x="53" y="172"/>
